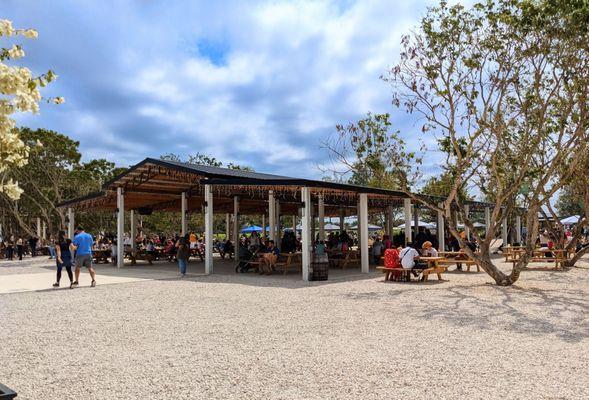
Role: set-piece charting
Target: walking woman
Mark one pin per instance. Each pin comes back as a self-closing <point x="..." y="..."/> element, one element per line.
<point x="182" y="256"/>
<point x="64" y="258"/>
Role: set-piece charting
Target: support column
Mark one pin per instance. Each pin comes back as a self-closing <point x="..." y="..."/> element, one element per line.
<point x="271" y="215"/>
<point x="466" y="228"/>
<point x="278" y="226"/>
<point x="120" y="227"/>
<point x="133" y="229"/>
<point x="518" y="229"/>
<point x="342" y="220"/>
<point x="321" y="217"/>
<point x="236" y="224"/>
<point x="407" y="210"/>
<point x="504" y="231"/>
<point x="390" y="221"/>
<point x="43" y="232"/>
<point x="294" y="224"/>
<point x="70" y="223"/>
<point x="183" y="207"/>
<point x="227" y="226"/>
<point x="306" y="231"/>
<point x="363" y="230"/>
<point x="264" y="225"/>
<point x="416" y="220"/>
<point x="441" y="231"/>
<point x="209" y="214"/>
<point x="487" y="221"/>
<point x="38" y="227"/>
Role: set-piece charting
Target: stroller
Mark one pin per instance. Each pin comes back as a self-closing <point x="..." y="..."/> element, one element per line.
<point x="246" y="259"/>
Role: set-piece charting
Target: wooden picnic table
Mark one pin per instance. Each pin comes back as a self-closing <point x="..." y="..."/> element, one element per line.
<point x="433" y="267"/>
<point x="297" y="257"/>
<point x="459" y="257"/>
<point x="101" y="255"/>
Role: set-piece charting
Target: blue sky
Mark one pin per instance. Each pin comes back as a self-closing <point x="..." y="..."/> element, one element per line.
<point x="258" y="83"/>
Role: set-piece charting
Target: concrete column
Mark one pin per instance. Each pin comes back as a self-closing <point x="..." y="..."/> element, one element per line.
<point x="38" y="227"/>
<point x="407" y="210"/>
<point x="518" y="229"/>
<point x="342" y="220"/>
<point x="209" y="214"/>
<point x="43" y="232"/>
<point x="236" y="224"/>
<point x="504" y="231"/>
<point x="306" y="241"/>
<point x="70" y="223"/>
<point x="441" y="231"/>
<point x="271" y="215"/>
<point x="120" y="227"/>
<point x="184" y="209"/>
<point x="278" y="226"/>
<point x="466" y="228"/>
<point x="321" y="217"/>
<point x="363" y="230"/>
<point x="487" y="221"/>
<point x="133" y="229"/>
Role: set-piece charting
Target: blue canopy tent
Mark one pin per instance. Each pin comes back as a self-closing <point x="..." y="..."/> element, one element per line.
<point x="251" y="229"/>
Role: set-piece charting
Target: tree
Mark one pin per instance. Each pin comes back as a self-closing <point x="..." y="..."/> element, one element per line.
<point x="502" y="87"/>
<point x="362" y="152"/>
<point x="20" y="93"/>
<point x="570" y="201"/>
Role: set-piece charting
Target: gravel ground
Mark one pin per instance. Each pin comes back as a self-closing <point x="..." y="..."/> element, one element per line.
<point x="247" y="337"/>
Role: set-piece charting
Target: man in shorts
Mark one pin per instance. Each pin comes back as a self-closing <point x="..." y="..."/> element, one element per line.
<point x="83" y="243"/>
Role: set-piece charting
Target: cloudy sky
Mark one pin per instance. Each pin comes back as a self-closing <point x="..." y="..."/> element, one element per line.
<point x="259" y="83"/>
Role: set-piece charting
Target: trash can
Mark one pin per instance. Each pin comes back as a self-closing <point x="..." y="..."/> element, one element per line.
<point x="320" y="267"/>
<point x="6" y="393"/>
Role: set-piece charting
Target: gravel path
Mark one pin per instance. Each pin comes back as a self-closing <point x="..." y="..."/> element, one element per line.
<point x="246" y="337"/>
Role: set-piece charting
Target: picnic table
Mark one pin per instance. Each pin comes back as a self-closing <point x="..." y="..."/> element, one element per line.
<point x="433" y="267"/>
<point x="286" y="260"/>
<point x="101" y="255"/>
<point x="459" y="257"/>
<point x="135" y="255"/>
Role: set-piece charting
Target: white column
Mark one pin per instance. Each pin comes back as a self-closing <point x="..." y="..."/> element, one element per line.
<point x="416" y="220"/>
<point x="120" y="227"/>
<point x="294" y="224"/>
<point x="133" y="229"/>
<point x="183" y="209"/>
<point x="209" y="213"/>
<point x="407" y="209"/>
<point x="363" y="231"/>
<point x="306" y="231"/>
<point x="271" y="215"/>
<point x="70" y="223"/>
<point x="518" y="229"/>
<point x="321" y="216"/>
<point x="441" y="231"/>
<point x="227" y="226"/>
<point x="504" y="231"/>
<point x="390" y="221"/>
<point x="466" y="228"/>
<point x="342" y="220"/>
<point x="38" y="227"/>
<point x="236" y="223"/>
<point x="487" y="221"/>
<point x="43" y="233"/>
<point x="277" y="221"/>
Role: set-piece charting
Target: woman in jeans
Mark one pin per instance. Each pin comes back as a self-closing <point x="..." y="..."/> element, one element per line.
<point x="182" y="255"/>
<point x="64" y="258"/>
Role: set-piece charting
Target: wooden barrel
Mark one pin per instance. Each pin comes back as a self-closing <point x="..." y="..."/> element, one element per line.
<point x="320" y="266"/>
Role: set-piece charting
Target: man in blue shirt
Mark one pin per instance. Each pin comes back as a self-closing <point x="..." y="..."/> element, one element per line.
<point x="83" y="243"/>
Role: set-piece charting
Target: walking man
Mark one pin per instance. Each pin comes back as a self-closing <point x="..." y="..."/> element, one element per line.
<point x="82" y="244"/>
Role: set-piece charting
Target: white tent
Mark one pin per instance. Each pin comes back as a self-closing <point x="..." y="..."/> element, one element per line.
<point x="428" y="225"/>
<point x="327" y="227"/>
<point x="370" y="227"/>
<point x="572" y="220"/>
<point x="475" y="224"/>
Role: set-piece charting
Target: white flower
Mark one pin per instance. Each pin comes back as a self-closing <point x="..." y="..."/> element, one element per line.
<point x="30" y="34"/>
<point x="11" y="189"/>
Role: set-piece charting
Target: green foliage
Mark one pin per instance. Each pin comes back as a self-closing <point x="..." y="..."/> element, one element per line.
<point x="570" y="202"/>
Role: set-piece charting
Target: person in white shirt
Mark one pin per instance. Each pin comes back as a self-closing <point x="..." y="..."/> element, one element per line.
<point x="408" y="256"/>
<point x="428" y="250"/>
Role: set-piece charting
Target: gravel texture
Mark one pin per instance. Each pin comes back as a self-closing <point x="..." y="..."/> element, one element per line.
<point x="249" y="337"/>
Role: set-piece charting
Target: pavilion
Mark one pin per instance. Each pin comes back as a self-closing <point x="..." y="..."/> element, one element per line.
<point x="162" y="185"/>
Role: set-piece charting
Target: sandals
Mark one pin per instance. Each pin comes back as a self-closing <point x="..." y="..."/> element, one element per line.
<point x="93" y="284"/>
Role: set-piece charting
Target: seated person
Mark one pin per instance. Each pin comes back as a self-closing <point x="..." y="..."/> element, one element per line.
<point x="268" y="258"/>
<point x="245" y="256"/>
<point x="428" y="250"/>
<point x="227" y="249"/>
<point x="410" y="259"/>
